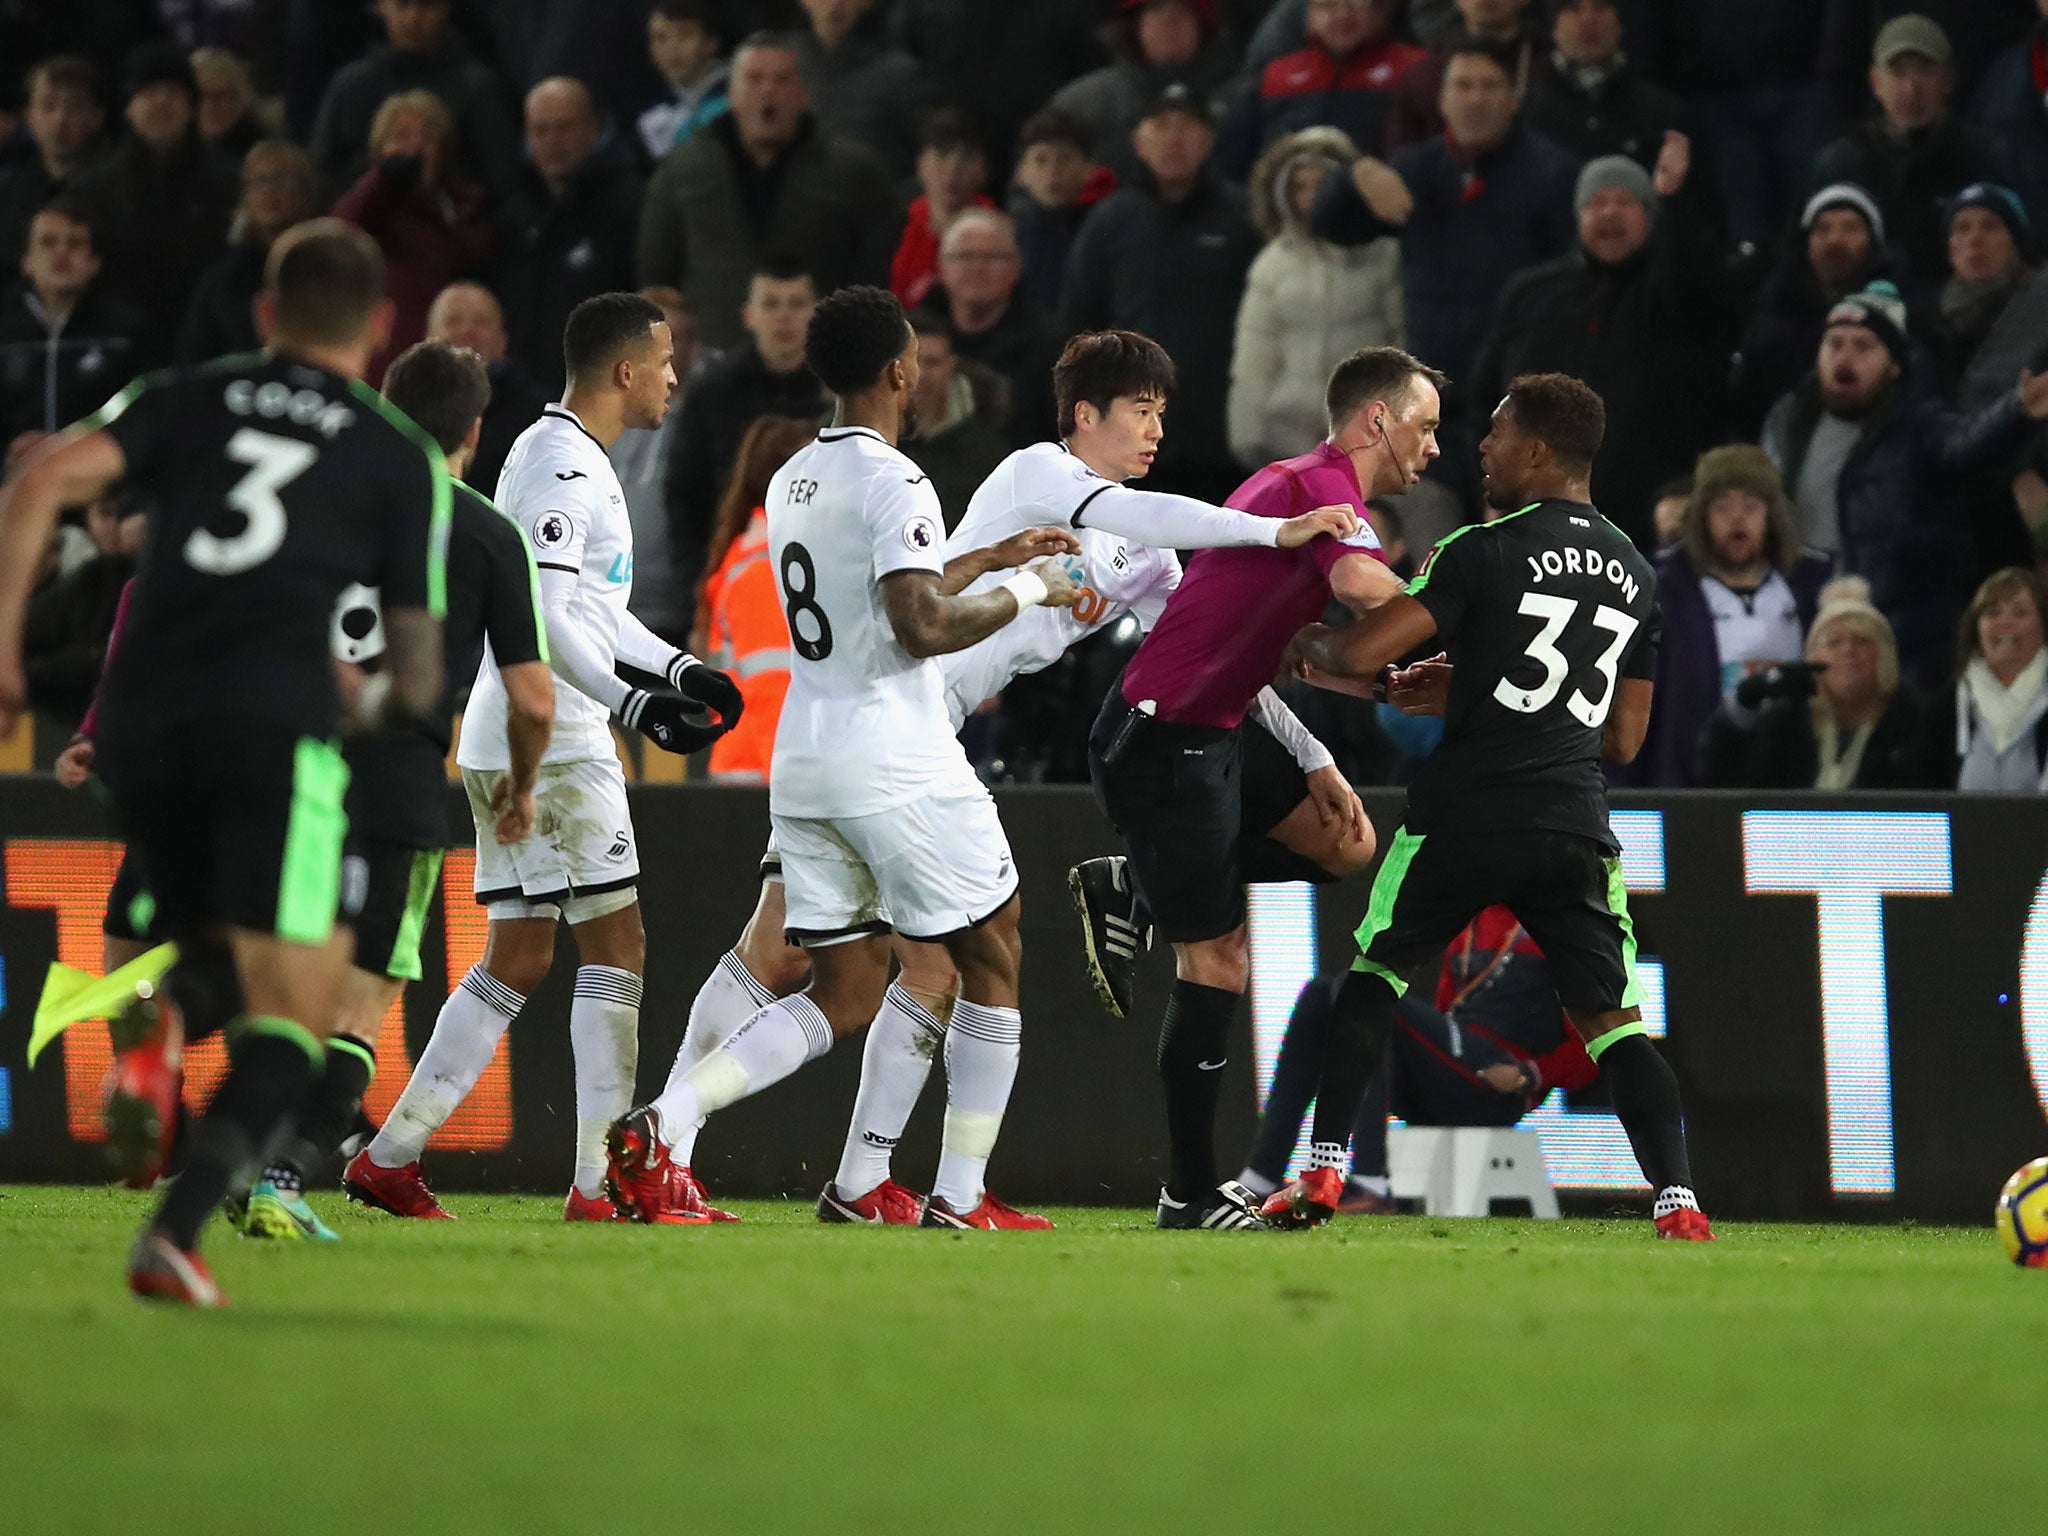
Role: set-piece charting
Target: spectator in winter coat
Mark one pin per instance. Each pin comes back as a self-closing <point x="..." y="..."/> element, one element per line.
<point x="1307" y="304"/>
<point x="1737" y="594"/>
<point x="995" y="323"/>
<point x="567" y="232"/>
<point x="432" y="229"/>
<point x="1870" y="455"/>
<point x="67" y="342"/>
<point x="280" y="187"/>
<point x="1842" y="721"/>
<point x="952" y="173"/>
<point x="1912" y="153"/>
<point x="683" y="42"/>
<point x="862" y="87"/>
<point x="161" y="199"/>
<point x="959" y="412"/>
<point x="1344" y="78"/>
<point x="421" y="52"/>
<point x="467" y="315"/>
<point x="1471" y="209"/>
<point x="1160" y="43"/>
<point x="1977" y="30"/>
<point x="762" y="180"/>
<point x="1633" y="310"/>
<point x="2012" y="113"/>
<point x="65" y="111"/>
<point x="1593" y="99"/>
<point x="1058" y="184"/>
<point x="1167" y="255"/>
<point x="1510" y="30"/>
<point x="1999" y="740"/>
<point x="1838" y="250"/>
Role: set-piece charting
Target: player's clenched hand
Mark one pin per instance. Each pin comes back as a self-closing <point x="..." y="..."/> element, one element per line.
<point x="1339" y="521"/>
<point x="1033" y="544"/>
<point x="673" y="724"/>
<point x="74" y="763"/>
<point x="706" y="685"/>
<point x="512" y="815"/>
<point x="1423" y="688"/>
<point x="1509" y="1077"/>
<point x="1061" y="590"/>
<point x="1338" y="805"/>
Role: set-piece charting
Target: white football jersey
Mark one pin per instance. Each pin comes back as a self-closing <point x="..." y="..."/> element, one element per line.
<point x="558" y="485"/>
<point x="1045" y="485"/>
<point x="864" y="727"/>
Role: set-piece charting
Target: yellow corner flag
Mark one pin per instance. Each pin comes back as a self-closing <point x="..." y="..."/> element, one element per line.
<point x="70" y="996"/>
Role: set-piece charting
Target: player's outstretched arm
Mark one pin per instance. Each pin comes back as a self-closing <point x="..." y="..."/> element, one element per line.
<point x="1165" y="521"/>
<point x="73" y="469"/>
<point x="968" y="567"/>
<point x="1363" y="582"/>
<point x="1353" y="654"/>
<point x="928" y="622"/>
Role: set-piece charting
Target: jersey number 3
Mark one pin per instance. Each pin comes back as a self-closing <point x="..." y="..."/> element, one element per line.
<point x="812" y="637"/>
<point x="274" y="463"/>
<point x="1556" y="613"/>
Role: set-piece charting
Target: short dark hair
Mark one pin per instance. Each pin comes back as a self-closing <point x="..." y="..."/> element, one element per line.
<point x="1053" y="127"/>
<point x="855" y="334"/>
<point x="927" y="321"/>
<point x="69" y="72"/>
<point x="442" y="387"/>
<point x="1501" y="57"/>
<point x="74" y="209"/>
<point x="948" y="129"/>
<point x="1374" y="373"/>
<point x="782" y="267"/>
<point x="1565" y="414"/>
<point x="704" y="15"/>
<point x="764" y="37"/>
<point x="1101" y="367"/>
<point x="324" y="277"/>
<point x="603" y="328"/>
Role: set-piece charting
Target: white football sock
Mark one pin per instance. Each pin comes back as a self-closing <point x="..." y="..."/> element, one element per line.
<point x="762" y="1051"/>
<point x="982" y="1047"/>
<point x="730" y="996"/>
<point x="1674" y="1197"/>
<point x="893" y="1067"/>
<point x="466" y="1035"/>
<point x="604" y="1034"/>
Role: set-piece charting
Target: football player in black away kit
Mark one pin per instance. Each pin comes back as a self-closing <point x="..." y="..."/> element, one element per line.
<point x="1549" y="619"/>
<point x="278" y="480"/>
<point x="397" y="792"/>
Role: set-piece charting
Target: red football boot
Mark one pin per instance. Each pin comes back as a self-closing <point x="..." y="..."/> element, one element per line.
<point x="687" y="1194"/>
<point x="1685" y="1225"/>
<point x="401" y="1191"/>
<point x="143" y="1088"/>
<point x="637" y="1172"/>
<point x="888" y="1204"/>
<point x="159" y="1270"/>
<point x="580" y="1207"/>
<point x="989" y="1216"/>
<point x="1359" y="1201"/>
<point x="1308" y="1201"/>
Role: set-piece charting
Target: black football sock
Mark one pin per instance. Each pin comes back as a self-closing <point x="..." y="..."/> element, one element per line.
<point x="1261" y="861"/>
<point x="331" y="1108"/>
<point x="1295" y="1076"/>
<point x="1361" y="1024"/>
<point x="1645" y="1094"/>
<point x="273" y="1062"/>
<point x="1194" y="1043"/>
<point x="1369" y="1130"/>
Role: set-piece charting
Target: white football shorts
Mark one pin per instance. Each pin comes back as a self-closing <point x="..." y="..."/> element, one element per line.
<point x="580" y="861"/>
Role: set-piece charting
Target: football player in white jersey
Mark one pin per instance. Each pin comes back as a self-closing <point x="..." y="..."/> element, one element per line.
<point x="1110" y="437"/>
<point x="579" y="864"/>
<point x="881" y="822"/>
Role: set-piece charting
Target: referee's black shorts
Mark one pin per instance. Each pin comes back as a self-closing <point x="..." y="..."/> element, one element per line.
<point x="1566" y="890"/>
<point x="387" y="889"/>
<point x="236" y="822"/>
<point x="1181" y="796"/>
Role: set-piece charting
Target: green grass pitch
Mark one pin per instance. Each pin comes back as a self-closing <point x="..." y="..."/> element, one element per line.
<point x="508" y="1374"/>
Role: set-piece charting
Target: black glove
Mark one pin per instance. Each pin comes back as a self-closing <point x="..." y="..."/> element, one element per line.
<point x="1793" y="680"/>
<point x="706" y="685"/>
<point x="672" y="724"/>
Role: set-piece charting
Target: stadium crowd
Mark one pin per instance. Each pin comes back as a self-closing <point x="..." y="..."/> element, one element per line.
<point x="1793" y="243"/>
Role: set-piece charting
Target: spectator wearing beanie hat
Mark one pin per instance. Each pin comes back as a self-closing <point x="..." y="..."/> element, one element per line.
<point x="1159" y="43"/>
<point x="1843" y="721"/>
<point x="1872" y="455"/>
<point x="162" y="200"/>
<point x="1633" y="309"/>
<point x="1838" y="248"/>
<point x="1737" y="593"/>
<point x="1912" y="153"/>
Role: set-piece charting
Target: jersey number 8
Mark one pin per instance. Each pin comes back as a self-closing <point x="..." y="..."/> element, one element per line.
<point x="1556" y="613"/>
<point x="274" y="462"/>
<point x="800" y="598"/>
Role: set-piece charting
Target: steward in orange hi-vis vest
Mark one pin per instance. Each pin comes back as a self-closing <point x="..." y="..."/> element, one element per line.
<point x="746" y="631"/>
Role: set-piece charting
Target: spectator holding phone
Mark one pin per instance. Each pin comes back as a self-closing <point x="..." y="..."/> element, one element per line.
<point x="1837" y="721"/>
